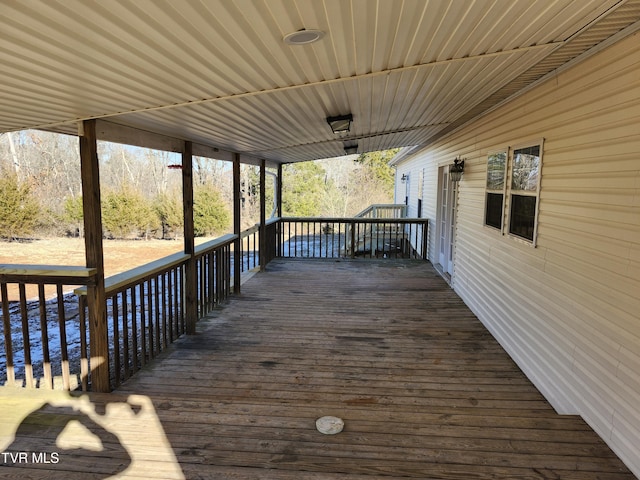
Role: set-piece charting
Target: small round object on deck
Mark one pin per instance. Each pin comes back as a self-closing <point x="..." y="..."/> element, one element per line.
<point x="329" y="425"/>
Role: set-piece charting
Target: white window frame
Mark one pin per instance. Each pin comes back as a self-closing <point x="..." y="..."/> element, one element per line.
<point x="508" y="191"/>
<point x="529" y="193"/>
<point x="503" y="192"/>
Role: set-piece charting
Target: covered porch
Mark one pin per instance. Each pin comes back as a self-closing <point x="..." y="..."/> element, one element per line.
<point x="423" y="388"/>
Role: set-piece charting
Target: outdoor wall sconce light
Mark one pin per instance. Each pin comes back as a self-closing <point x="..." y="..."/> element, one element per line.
<point x="456" y="169"/>
<point x="350" y="148"/>
<point x="341" y="123"/>
<point x="404" y="178"/>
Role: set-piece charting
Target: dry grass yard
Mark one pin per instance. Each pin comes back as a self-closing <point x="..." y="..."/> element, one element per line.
<point x="119" y="255"/>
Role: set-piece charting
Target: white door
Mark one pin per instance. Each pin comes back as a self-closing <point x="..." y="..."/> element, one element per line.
<point x="446" y="220"/>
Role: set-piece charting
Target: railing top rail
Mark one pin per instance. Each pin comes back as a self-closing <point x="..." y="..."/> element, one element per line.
<point x="129" y="277"/>
<point x="250" y="230"/>
<point x="354" y="220"/>
<point x="256" y="227"/>
<point x="43" y="273"/>
<point x="215" y="243"/>
<point x="382" y="206"/>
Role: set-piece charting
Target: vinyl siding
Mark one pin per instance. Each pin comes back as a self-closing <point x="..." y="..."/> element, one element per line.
<point x="568" y="310"/>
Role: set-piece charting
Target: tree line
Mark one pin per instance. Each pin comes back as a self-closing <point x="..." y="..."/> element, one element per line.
<point x="141" y="196"/>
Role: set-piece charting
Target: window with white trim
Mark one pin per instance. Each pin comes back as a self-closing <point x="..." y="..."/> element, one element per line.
<point x="494" y="202"/>
<point x="513" y="191"/>
<point x="524" y="191"/>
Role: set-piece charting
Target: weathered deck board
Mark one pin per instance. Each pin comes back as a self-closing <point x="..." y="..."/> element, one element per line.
<point x="424" y="390"/>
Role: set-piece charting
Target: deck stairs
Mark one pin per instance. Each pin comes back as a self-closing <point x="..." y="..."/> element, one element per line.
<point x="378" y="239"/>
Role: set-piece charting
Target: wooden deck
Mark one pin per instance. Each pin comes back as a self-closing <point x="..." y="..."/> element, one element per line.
<point x="423" y="388"/>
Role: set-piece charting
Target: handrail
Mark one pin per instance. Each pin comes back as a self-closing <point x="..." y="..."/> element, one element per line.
<point x="356" y="220"/>
<point x="31" y="352"/>
<point x="251" y="237"/>
<point x="119" y="280"/>
<point x="401" y="207"/>
<point x="13" y="273"/>
<point x="215" y="243"/>
<point x="334" y="237"/>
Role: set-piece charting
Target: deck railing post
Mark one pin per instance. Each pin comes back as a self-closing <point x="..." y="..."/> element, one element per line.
<point x="279" y="240"/>
<point x="425" y="240"/>
<point x="352" y="225"/>
<point x="191" y="281"/>
<point x="96" y="301"/>
<point x="237" y="246"/>
<point x="263" y="217"/>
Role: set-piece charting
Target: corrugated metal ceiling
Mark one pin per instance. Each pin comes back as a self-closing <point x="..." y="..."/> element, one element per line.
<point x="218" y="73"/>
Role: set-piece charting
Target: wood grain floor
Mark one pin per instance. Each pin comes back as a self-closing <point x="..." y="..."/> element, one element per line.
<point x="424" y="390"/>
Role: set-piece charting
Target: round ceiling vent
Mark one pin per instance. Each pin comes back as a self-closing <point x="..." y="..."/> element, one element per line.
<point x="303" y="37"/>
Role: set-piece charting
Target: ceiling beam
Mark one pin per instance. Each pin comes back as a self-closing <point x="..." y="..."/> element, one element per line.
<point x="116" y="133"/>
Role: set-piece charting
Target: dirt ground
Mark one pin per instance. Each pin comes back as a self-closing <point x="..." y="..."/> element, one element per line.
<point x="119" y="255"/>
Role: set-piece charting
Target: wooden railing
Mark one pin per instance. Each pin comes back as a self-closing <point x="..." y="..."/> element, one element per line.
<point x="45" y="344"/>
<point x="147" y="306"/>
<point x="352" y="237"/>
<point x="145" y="313"/>
<point x="251" y="245"/>
<point x="214" y="261"/>
<point x="383" y="210"/>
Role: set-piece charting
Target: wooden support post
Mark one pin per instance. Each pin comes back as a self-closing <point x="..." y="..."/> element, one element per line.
<point x="190" y="282"/>
<point x="263" y="217"/>
<point x="279" y="192"/>
<point x="279" y="212"/>
<point x="237" y="244"/>
<point x="96" y="300"/>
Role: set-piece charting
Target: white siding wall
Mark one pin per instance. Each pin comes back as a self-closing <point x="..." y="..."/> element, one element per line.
<point x="568" y="311"/>
<point x="413" y="167"/>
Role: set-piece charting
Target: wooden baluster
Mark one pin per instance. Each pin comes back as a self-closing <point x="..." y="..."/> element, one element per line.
<point x="116" y="339"/>
<point x="163" y="314"/>
<point x="219" y="279"/>
<point x="8" y="345"/>
<point x="44" y="335"/>
<point x="179" y="300"/>
<point x="26" y="341"/>
<point x="64" y="350"/>
<point x="169" y="293"/>
<point x="143" y="325"/>
<point x="229" y="265"/>
<point x="134" y="329"/>
<point x="125" y="333"/>
<point x="156" y="297"/>
<point x="214" y="290"/>
<point x="84" y="361"/>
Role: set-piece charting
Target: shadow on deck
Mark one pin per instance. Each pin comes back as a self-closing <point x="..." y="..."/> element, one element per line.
<point x="423" y="388"/>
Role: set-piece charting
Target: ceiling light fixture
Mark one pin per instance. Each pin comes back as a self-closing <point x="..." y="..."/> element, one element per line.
<point x="351" y="148"/>
<point x="303" y="37"/>
<point x="341" y="123"/>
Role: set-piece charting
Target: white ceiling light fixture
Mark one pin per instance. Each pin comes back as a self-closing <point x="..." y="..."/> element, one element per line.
<point x="340" y="123"/>
<point x="303" y="37"/>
